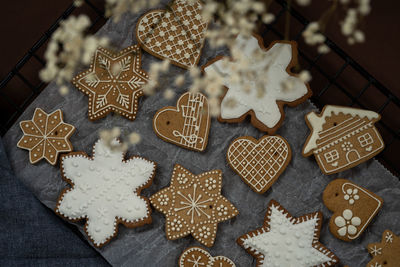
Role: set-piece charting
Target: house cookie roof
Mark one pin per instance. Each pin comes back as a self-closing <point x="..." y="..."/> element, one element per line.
<point x="317" y="121"/>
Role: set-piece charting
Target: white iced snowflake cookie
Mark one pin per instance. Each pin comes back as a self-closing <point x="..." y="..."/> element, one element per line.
<point x="105" y="190"/>
<point x="284" y="240"/>
<point x="264" y="93"/>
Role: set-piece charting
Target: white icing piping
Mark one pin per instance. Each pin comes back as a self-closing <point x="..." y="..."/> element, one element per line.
<point x="317" y="122"/>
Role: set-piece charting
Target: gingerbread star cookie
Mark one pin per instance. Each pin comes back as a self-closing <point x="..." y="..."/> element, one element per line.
<point x="263" y="101"/>
<point x="113" y="82"/>
<point x="105" y="191"/>
<point x="187" y="125"/>
<point x="354" y="208"/>
<point x="259" y="162"/>
<point x="177" y="34"/>
<point x="45" y="136"/>
<point x="284" y="240"/>
<point x="342" y="137"/>
<point x="193" y="204"/>
<point x="387" y="252"/>
<point x="196" y="257"/>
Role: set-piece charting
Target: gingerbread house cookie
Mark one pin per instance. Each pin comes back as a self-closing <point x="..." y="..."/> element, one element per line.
<point x="342" y="137"/>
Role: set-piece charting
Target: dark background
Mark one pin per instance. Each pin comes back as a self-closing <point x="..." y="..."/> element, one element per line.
<point x="24" y="22"/>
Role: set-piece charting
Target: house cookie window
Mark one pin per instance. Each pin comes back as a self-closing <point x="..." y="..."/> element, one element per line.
<point x="331" y="156"/>
<point x="365" y="140"/>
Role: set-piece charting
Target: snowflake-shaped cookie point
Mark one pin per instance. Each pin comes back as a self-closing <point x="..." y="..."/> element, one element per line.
<point x="387" y="252"/>
<point x="45" y="136"/>
<point x="287" y="241"/>
<point x="193" y="205"/>
<point x="105" y="190"/>
<point x="272" y="64"/>
<point x="113" y="82"/>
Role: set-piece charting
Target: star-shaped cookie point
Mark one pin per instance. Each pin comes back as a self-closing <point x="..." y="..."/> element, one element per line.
<point x="105" y="190"/>
<point x="266" y="108"/>
<point x="387" y="252"/>
<point x="287" y="241"/>
<point x="113" y="82"/>
<point x="193" y="204"/>
<point x="45" y="136"/>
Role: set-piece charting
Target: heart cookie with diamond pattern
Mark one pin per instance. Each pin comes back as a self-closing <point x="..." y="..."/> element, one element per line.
<point x="259" y="162"/>
<point x="176" y="34"/>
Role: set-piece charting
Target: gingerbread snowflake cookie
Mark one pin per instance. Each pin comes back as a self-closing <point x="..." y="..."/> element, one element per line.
<point x="387" y="252"/>
<point x="113" y="82"/>
<point x="259" y="162"/>
<point x="196" y="257"/>
<point x="176" y="34"/>
<point x="187" y="125"/>
<point x="45" y="136"/>
<point x="105" y="191"/>
<point x="284" y="240"/>
<point x="354" y="208"/>
<point x="342" y="137"/>
<point x="193" y="204"/>
<point x="263" y="101"/>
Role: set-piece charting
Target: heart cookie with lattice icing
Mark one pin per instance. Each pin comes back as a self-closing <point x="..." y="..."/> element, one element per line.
<point x="259" y="162"/>
<point x="186" y="125"/>
<point x="177" y="34"/>
<point x="196" y="256"/>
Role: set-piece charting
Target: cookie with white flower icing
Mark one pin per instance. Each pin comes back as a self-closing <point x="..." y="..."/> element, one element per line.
<point x="284" y="240"/>
<point x="193" y="204"/>
<point x="354" y="208"/>
<point x="186" y="125"/>
<point x="105" y="191"/>
<point x="262" y="100"/>
<point x="196" y="257"/>
<point x="387" y="252"/>
<point x="176" y="34"/>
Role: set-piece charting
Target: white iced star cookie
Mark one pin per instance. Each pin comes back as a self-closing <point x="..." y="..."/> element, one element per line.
<point x="272" y="65"/>
<point x="287" y="241"/>
<point x="105" y="190"/>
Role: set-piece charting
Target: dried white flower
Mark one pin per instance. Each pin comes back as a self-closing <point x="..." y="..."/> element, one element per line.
<point x="303" y="2"/>
<point x="169" y="93"/>
<point x="305" y="76"/>
<point x="134" y="138"/>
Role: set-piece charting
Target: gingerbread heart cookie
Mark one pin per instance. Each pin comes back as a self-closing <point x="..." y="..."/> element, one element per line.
<point x="196" y="256"/>
<point x="387" y="252"/>
<point x="259" y="162"/>
<point x="186" y="125"/>
<point x="177" y="34"/>
<point x="354" y="208"/>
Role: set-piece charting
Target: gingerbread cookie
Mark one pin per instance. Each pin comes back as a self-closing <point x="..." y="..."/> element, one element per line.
<point x="284" y="240"/>
<point x="187" y="125"/>
<point x="387" y="252"/>
<point x="354" y="208"/>
<point x="45" y="136"/>
<point x="342" y="137"/>
<point x="193" y="204"/>
<point x="113" y="82"/>
<point x="176" y="34"/>
<point x="196" y="257"/>
<point x="105" y="191"/>
<point x="259" y="162"/>
<point x="264" y="106"/>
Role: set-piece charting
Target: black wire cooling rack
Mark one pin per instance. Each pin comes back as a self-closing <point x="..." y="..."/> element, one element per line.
<point x="331" y="80"/>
